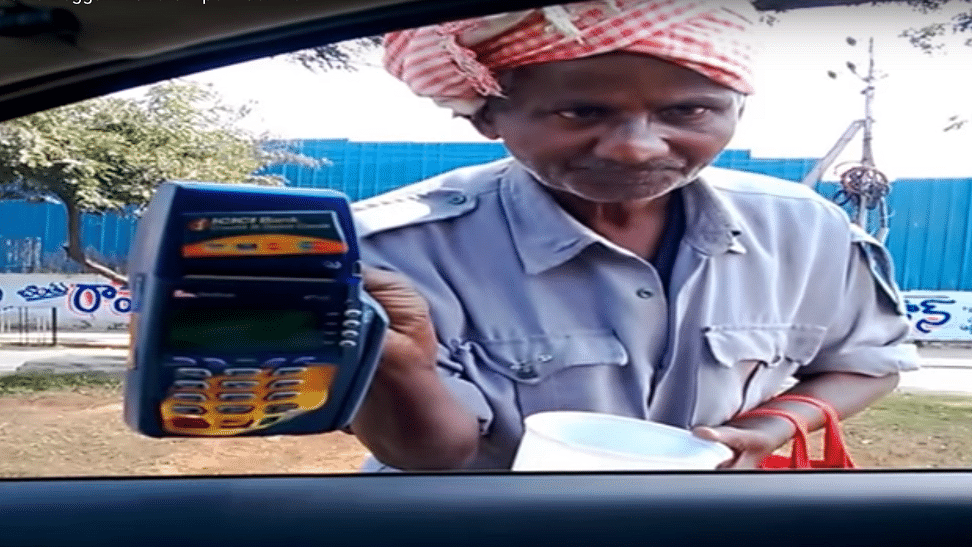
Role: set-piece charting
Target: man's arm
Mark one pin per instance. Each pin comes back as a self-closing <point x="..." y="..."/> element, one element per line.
<point x="409" y="419"/>
<point x="754" y="438"/>
<point x="858" y="364"/>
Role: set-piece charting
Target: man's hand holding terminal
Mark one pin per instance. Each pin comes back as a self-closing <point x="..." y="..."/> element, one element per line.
<point x="409" y="419"/>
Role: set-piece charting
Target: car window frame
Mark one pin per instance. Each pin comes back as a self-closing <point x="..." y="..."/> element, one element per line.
<point x="657" y="508"/>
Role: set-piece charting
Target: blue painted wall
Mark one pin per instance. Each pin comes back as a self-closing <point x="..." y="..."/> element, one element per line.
<point x="930" y="226"/>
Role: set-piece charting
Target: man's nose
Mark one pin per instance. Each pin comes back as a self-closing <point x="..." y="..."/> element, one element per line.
<point x="636" y="140"/>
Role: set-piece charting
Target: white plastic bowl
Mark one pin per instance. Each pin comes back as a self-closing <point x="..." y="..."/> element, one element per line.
<point x="590" y="441"/>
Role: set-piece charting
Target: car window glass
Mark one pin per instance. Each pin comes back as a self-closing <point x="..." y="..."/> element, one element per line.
<point x="356" y="129"/>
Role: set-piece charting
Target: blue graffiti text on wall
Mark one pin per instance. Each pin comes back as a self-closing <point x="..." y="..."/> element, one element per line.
<point x="88" y="298"/>
<point x="33" y="293"/>
<point x="934" y="316"/>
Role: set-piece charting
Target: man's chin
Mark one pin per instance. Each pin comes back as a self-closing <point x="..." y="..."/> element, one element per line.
<point x="601" y="187"/>
<point x="620" y="192"/>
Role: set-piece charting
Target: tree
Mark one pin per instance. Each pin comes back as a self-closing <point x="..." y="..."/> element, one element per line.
<point x="930" y="38"/>
<point x="109" y="153"/>
<point x="339" y="56"/>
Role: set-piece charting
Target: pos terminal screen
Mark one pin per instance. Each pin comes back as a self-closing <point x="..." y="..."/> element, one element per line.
<point x="244" y="330"/>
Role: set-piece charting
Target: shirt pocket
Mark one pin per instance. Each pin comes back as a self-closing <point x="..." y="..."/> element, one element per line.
<point x="759" y="359"/>
<point x="533" y="359"/>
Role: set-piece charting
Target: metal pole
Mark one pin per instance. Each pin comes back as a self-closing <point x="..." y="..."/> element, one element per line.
<point x="867" y="157"/>
<point x="815" y="174"/>
<point x="53" y="326"/>
<point x="861" y="215"/>
<point x="867" y="152"/>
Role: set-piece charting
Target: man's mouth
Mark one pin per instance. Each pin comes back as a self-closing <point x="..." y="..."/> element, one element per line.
<point x="610" y="166"/>
<point x="628" y="176"/>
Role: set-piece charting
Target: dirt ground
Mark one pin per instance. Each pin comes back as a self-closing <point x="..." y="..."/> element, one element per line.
<point x="911" y="430"/>
<point x="80" y="433"/>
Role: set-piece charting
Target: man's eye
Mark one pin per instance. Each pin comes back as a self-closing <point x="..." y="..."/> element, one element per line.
<point x="688" y="112"/>
<point x="584" y="113"/>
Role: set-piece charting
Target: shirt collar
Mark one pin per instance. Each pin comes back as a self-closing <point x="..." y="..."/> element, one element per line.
<point x="546" y="236"/>
<point x="543" y="233"/>
<point x="713" y="225"/>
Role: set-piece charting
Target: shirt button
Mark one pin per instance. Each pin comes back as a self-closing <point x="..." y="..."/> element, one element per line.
<point x="644" y="293"/>
<point x="525" y="371"/>
<point x="457" y="199"/>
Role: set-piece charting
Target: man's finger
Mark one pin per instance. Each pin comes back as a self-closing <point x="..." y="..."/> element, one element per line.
<point x="713" y="434"/>
<point x="708" y="433"/>
<point x="379" y="278"/>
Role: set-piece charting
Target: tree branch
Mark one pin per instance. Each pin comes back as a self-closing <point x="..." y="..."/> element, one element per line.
<point x="75" y="251"/>
<point x="95" y="267"/>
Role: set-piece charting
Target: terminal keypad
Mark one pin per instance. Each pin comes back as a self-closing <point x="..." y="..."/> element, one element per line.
<point x="237" y="395"/>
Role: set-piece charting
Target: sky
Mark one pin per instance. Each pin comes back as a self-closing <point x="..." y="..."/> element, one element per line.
<point x="797" y="111"/>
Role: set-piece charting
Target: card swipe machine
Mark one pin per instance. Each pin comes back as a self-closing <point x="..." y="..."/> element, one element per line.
<point x="248" y="313"/>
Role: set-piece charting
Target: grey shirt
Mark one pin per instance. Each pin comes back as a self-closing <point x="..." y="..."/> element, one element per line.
<point x="534" y="311"/>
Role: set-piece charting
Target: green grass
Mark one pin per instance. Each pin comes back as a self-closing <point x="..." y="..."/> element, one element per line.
<point x="20" y="383"/>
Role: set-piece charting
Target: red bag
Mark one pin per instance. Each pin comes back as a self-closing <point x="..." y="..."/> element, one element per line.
<point x="835" y="455"/>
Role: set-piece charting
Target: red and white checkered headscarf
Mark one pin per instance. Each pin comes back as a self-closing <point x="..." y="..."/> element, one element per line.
<point x="456" y="63"/>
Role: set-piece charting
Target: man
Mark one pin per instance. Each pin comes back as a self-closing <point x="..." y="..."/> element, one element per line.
<point x="603" y="267"/>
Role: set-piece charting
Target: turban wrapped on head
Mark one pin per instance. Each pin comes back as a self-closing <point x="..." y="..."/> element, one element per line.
<point x="456" y="63"/>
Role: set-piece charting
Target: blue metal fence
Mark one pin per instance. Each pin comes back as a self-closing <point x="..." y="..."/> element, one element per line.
<point x="364" y="169"/>
<point x="930" y="227"/>
<point x="931" y="233"/>
<point x="106" y="236"/>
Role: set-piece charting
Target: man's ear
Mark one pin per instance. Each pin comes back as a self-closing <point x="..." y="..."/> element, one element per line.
<point x="484" y="120"/>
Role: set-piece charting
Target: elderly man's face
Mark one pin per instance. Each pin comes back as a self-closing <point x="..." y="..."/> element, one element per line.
<point x="613" y="128"/>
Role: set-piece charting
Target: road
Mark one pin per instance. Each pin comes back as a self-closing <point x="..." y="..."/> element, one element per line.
<point x="944" y="369"/>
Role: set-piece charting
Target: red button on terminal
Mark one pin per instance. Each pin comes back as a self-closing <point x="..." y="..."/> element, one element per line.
<point x="185" y="422"/>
